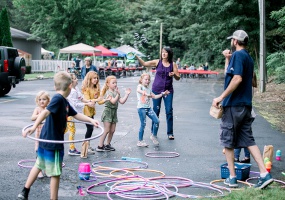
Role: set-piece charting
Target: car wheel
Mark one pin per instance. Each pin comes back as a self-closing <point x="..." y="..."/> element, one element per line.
<point x="4" y="89"/>
<point x="19" y="63"/>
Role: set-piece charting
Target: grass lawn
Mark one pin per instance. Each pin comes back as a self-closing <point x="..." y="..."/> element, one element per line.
<point x="39" y="75"/>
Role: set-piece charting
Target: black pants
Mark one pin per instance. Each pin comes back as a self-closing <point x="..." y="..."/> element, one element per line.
<point x="89" y="130"/>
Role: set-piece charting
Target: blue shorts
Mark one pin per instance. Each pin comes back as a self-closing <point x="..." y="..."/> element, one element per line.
<point x="236" y="129"/>
<point x="50" y="161"/>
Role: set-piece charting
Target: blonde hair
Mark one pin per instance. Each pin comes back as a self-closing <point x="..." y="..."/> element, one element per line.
<point x="105" y="86"/>
<point x="142" y="76"/>
<point x="42" y="93"/>
<point x="62" y="80"/>
<point x="87" y="82"/>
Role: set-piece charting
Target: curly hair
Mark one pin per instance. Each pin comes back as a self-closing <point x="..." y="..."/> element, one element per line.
<point x="142" y="76"/>
<point x="40" y="94"/>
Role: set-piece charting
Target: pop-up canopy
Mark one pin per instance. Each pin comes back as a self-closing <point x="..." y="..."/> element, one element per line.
<point x="104" y="52"/>
<point x="79" y="48"/>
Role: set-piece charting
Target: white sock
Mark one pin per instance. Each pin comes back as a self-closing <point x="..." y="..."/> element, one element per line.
<point x="232" y="177"/>
<point x="262" y="175"/>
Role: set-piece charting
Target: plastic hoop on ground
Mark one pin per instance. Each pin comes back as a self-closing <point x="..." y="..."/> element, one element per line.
<point x="64" y="141"/>
<point x="222" y="180"/>
<point x="144" y="164"/>
<point x="162" y="154"/>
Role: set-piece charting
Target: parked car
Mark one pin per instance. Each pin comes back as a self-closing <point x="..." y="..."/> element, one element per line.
<point x="120" y="63"/>
<point x="12" y="69"/>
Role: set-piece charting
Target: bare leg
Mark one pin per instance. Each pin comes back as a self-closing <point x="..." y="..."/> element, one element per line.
<point x="32" y="177"/>
<point x="54" y="185"/>
<point x="255" y="152"/>
<point x="230" y="159"/>
<point x="111" y="133"/>
<point x="107" y="128"/>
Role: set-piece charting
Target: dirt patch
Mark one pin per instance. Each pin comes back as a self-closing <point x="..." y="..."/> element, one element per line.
<point x="271" y="104"/>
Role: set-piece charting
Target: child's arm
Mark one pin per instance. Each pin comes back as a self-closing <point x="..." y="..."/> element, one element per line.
<point x="115" y="99"/>
<point x="166" y="92"/>
<point x="35" y="114"/>
<point x="84" y="118"/>
<point x="124" y="99"/>
<point x="42" y="116"/>
<point x="103" y="100"/>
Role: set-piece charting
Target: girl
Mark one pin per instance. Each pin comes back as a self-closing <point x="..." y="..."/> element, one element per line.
<point x="166" y="70"/>
<point x="144" y="94"/>
<point x="109" y="115"/>
<point x="91" y="92"/>
<point x="76" y="100"/>
<point x="42" y="100"/>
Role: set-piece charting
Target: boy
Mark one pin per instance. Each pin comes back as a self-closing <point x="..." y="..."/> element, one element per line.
<point x="50" y="155"/>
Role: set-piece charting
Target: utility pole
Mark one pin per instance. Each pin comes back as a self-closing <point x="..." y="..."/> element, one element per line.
<point x="160" y="43"/>
<point x="262" y="47"/>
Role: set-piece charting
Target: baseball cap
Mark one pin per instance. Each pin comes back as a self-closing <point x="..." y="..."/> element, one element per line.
<point x="239" y="35"/>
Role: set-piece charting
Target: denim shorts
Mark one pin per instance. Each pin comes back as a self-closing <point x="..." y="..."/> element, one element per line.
<point x="236" y="129"/>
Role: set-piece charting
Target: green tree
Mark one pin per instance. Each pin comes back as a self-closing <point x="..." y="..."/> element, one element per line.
<point x="5" y="34"/>
<point x="68" y="22"/>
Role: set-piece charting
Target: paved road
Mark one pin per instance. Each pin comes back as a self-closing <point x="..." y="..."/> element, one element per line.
<point x="196" y="138"/>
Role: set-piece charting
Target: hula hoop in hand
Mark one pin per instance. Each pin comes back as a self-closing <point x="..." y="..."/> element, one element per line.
<point x="65" y="141"/>
<point x="20" y="163"/>
<point x="162" y="154"/>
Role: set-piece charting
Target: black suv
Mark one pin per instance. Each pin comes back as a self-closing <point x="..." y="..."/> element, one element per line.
<point x="12" y="69"/>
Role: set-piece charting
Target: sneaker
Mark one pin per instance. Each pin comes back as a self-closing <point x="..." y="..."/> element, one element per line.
<point x="24" y="194"/>
<point x="142" y="144"/>
<point x="90" y="151"/>
<point x="264" y="182"/>
<point x="74" y="152"/>
<point x="100" y="149"/>
<point x="245" y="160"/>
<point x="231" y="182"/>
<point x="154" y="140"/>
<point x="109" y="147"/>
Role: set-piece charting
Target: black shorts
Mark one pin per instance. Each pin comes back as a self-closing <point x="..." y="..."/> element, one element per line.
<point x="236" y="129"/>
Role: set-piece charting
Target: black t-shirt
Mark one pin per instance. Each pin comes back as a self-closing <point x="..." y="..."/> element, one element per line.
<point x="55" y="123"/>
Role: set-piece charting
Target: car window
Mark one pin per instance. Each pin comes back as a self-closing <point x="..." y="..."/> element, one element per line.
<point x="12" y="53"/>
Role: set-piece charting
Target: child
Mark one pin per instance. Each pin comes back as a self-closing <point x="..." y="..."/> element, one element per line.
<point x="76" y="100"/>
<point x="42" y="100"/>
<point x="91" y="92"/>
<point x="144" y="94"/>
<point x="50" y="155"/>
<point x="109" y="115"/>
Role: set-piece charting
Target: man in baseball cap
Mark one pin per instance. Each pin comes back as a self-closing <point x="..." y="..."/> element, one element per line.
<point x="240" y="35"/>
<point x="236" y="100"/>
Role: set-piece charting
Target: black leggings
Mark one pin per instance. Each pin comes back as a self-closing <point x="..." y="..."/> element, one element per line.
<point x="89" y="130"/>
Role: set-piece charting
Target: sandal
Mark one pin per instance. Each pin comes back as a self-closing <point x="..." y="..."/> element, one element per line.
<point x="171" y="137"/>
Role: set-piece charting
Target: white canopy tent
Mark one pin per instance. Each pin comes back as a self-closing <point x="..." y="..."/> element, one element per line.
<point x="78" y="48"/>
<point x="126" y="49"/>
<point x="44" y="51"/>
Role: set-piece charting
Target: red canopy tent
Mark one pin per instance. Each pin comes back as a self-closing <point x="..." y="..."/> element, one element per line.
<point x="104" y="52"/>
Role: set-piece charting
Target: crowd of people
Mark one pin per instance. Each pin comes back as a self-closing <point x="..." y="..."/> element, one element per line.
<point x="80" y="104"/>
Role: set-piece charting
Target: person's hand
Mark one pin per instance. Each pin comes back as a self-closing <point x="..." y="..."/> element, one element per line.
<point x="108" y="98"/>
<point x="91" y="104"/>
<point x="166" y="92"/>
<point x="171" y="74"/>
<point x="128" y="90"/>
<point x="216" y="102"/>
<point x="227" y="53"/>
<point x="95" y="122"/>
<point x="28" y="131"/>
